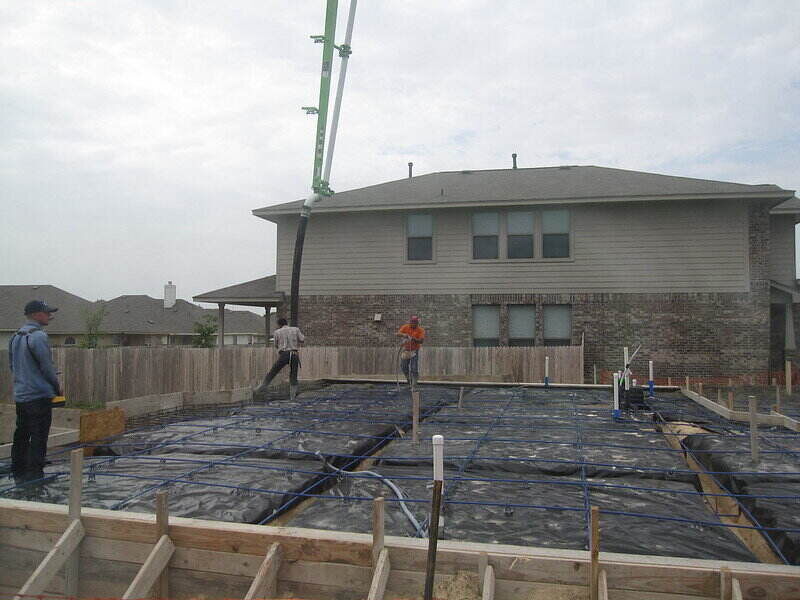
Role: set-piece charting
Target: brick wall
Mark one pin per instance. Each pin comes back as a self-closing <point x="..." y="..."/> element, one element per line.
<point x="696" y="334"/>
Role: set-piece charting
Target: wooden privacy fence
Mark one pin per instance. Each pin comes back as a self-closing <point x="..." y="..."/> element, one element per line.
<point x="106" y="374"/>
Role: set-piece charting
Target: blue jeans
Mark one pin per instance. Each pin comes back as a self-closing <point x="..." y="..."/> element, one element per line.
<point x="410" y="367"/>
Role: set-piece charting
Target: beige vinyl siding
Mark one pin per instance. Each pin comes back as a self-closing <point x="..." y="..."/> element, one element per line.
<point x="631" y="247"/>
<point x="781" y="249"/>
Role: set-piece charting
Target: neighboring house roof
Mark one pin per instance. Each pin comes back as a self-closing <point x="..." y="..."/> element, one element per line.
<point x="258" y="292"/>
<point x="566" y="184"/>
<point x="69" y="318"/>
<point x="126" y="314"/>
<point x="142" y="314"/>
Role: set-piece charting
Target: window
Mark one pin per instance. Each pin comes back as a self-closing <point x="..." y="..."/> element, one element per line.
<point x="557" y="325"/>
<point x="485" y="325"/>
<point x="520" y="234"/>
<point x="69" y="341"/>
<point x="419" y="237"/>
<point x="521" y="325"/>
<point x="485" y="235"/>
<point x="555" y="234"/>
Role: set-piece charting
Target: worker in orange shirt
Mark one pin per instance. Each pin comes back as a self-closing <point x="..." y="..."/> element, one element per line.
<point x="413" y="336"/>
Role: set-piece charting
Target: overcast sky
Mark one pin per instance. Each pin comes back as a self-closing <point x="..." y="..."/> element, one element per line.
<point x="136" y="137"/>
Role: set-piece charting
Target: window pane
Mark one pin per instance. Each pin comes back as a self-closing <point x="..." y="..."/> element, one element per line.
<point x="520" y="246"/>
<point x="485" y="322"/>
<point x="486" y="223"/>
<point x="420" y="248"/>
<point x="420" y="226"/>
<point x="521" y="321"/>
<point x="520" y="223"/>
<point x="555" y="221"/>
<point x="557" y="322"/>
<point x="484" y="246"/>
<point x="555" y="245"/>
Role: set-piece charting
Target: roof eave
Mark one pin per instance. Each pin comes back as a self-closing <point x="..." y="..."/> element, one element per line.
<point x="268" y="213"/>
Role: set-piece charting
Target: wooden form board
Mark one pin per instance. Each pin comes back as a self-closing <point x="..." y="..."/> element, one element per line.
<point x="329" y="561"/>
<point x="773" y="419"/>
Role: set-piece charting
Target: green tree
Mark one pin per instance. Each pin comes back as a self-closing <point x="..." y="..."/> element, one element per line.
<point x="205" y="330"/>
<point x="93" y="320"/>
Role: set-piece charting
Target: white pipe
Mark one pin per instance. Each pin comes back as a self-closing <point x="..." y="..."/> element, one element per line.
<point x="337" y="104"/>
<point x="627" y="370"/>
<point x="438" y="458"/>
<point x="615" y="411"/>
<point x="651" y="370"/>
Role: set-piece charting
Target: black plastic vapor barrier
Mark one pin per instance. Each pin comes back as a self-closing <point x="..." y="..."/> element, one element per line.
<point x="642" y="516"/>
<point x="245" y="466"/>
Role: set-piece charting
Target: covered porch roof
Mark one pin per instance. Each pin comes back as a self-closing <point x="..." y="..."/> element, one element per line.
<point x="258" y="292"/>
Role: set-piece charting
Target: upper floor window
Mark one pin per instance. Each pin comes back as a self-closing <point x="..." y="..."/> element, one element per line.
<point x="419" y="237"/>
<point x="555" y="233"/>
<point x="485" y="235"/>
<point x="557" y="325"/>
<point x="520" y="234"/>
<point x="485" y="325"/>
<point x="521" y="325"/>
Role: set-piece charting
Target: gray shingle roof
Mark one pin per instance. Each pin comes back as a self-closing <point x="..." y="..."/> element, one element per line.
<point x="544" y="184"/>
<point x="250" y="293"/>
<point x="135" y="314"/>
<point x="68" y="319"/>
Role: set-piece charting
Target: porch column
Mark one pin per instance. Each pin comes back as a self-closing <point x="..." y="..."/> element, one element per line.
<point x="221" y="331"/>
<point x="266" y="324"/>
<point x="790" y="341"/>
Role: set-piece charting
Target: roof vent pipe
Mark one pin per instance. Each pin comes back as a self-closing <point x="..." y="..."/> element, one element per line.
<point x="169" y="295"/>
<point x="514" y="160"/>
<point x="410" y="167"/>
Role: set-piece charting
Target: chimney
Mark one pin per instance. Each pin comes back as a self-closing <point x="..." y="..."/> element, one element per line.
<point x="169" y="295"/>
<point x="514" y="160"/>
<point x="410" y="167"/>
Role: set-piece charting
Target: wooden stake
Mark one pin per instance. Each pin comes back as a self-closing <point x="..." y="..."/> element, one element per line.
<point x="736" y="590"/>
<point x="415" y="417"/>
<point x="378" y="524"/>
<point x="483" y="563"/>
<point x="669" y="381"/>
<point x="777" y="398"/>
<point x="730" y="399"/>
<point x="487" y="591"/>
<point x="724" y="583"/>
<point x="788" y="369"/>
<point x="594" y="374"/>
<point x="265" y="583"/>
<point x="594" y="549"/>
<point x="55" y="559"/>
<point x="436" y="506"/>
<point x="461" y="398"/>
<point x="754" y="453"/>
<point x="687" y="382"/>
<point x="162" y="529"/>
<point x="719" y="396"/>
<point x="72" y="566"/>
<point x="700" y="388"/>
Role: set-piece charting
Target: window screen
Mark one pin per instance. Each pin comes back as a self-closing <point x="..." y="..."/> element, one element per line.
<point x="520" y="234"/>
<point x="419" y="232"/>
<point x="485" y="234"/>
<point x="557" y="325"/>
<point x="485" y="325"/>
<point x="521" y="325"/>
<point x="555" y="234"/>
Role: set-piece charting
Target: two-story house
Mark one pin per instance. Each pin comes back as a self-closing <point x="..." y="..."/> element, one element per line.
<point x="697" y="271"/>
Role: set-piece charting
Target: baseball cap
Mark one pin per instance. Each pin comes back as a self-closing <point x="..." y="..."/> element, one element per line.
<point x="35" y="306"/>
<point x="414" y="319"/>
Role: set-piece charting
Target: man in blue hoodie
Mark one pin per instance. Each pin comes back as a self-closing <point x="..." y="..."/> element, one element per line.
<point x="35" y="385"/>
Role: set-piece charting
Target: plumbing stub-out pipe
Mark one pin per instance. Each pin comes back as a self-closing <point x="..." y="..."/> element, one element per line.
<point x="651" y="383"/>
<point x="546" y="371"/>
<point x="615" y="411"/>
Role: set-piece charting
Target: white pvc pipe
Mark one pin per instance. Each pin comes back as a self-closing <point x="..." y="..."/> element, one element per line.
<point x="626" y="370"/>
<point x="615" y="412"/>
<point x="651" y="370"/>
<point x="546" y="370"/>
<point x="438" y="458"/>
<point x="337" y="104"/>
